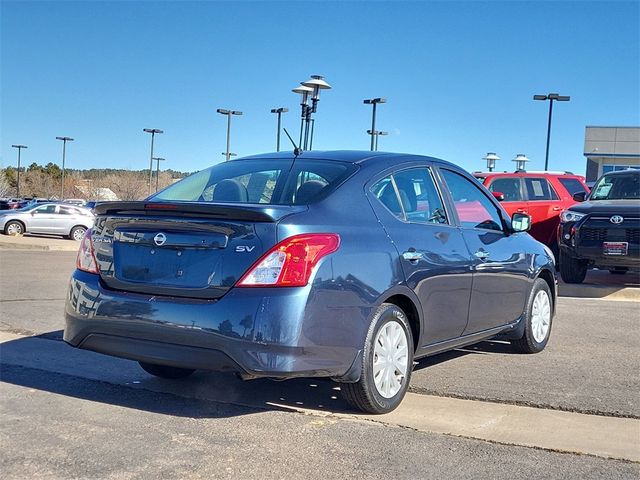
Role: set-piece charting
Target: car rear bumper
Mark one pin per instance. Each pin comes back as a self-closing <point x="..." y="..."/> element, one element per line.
<point x="258" y="332"/>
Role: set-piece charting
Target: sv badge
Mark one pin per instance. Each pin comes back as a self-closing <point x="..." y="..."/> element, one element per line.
<point x="244" y="248"/>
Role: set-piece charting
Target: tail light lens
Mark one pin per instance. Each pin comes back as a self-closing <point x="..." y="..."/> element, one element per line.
<point x="291" y="262"/>
<point x="86" y="260"/>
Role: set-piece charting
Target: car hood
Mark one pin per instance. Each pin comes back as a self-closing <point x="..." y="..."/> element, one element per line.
<point x="608" y="207"/>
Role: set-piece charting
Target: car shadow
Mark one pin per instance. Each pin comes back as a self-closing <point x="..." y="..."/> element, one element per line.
<point x="46" y="363"/>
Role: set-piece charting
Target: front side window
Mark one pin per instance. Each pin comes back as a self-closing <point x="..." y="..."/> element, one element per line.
<point x="473" y="207"/>
<point x="509" y="187"/>
<point x="539" y="189"/>
<point x="48" y="209"/>
<point x="265" y="181"/>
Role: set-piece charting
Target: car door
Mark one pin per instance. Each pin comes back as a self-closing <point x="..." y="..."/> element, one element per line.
<point x="512" y="189"/>
<point x="500" y="266"/>
<point x="433" y="254"/>
<point x="544" y="205"/>
<point x="42" y="219"/>
<point x="68" y="217"/>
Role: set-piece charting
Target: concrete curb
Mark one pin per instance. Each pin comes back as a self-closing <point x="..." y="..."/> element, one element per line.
<point x="42" y="244"/>
<point x="604" y="292"/>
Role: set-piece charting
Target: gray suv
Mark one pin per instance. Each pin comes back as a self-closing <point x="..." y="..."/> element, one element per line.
<point x="49" y="218"/>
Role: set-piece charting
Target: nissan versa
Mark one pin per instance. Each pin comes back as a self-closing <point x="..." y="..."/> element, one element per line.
<point x="347" y="265"/>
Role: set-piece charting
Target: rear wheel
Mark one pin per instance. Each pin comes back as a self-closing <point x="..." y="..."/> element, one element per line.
<point x="618" y="270"/>
<point x="77" y="233"/>
<point x="387" y="361"/>
<point x="537" y="319"/>
<point x="14" y="228"/>
<point x="572" y="270"/>
<point x="164" y="371"/>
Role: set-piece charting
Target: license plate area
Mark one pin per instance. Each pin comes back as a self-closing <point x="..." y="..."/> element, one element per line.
<point x="615" y="248"/>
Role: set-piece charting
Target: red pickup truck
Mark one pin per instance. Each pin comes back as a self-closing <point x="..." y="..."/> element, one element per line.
<point x="543" y="195"/>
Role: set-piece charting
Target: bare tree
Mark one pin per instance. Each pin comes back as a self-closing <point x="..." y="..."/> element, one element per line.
<point x="5" y="186"/>
<point x="127" y="185"/>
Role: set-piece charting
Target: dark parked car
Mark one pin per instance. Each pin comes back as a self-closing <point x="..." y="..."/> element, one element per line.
<point x="347" y="265"/>
<point x="604" y="231"/>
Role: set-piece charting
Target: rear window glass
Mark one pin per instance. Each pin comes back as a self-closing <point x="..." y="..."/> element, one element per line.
<point x="572" y="185"/>
<point x="266" y="181"/>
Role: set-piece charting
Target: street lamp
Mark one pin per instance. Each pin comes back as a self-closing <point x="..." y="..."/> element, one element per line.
<point x="491" y="159"/>
<point x="19" y="147"/>
<point x="228" y="113"/>
<point x="279" y="111"/>
<point x="376" y="134"/>
<point x="158" y="160"/>
<point x="231" y="154"/>
<point x="64" y="154"/>
<point x="374" y="102"/>
<point x="315" y="83"/>
<point x="551" y="97"/>
<point x="153" y="132"/>
<point x="521" y="161"/>
<point x="304" y="97"/>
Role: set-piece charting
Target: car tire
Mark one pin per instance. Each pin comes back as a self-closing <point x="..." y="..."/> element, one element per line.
<point x="164" y="371"/>
<point x="383" y="380"/>
<point x="618" y="271"/>
<point x="538" y="317"/>
<point x="77" y="233"/>
<point x="572" y="270"/>
<point x="14" y="227"/>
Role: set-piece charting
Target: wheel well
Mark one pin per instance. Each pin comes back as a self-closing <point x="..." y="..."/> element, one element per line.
<point x="24" y="227"/>
<point x="548" y="277"/>
<point x="408" y="307"/>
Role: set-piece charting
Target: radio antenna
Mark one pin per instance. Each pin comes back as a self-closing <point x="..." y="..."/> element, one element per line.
<point x="296" y="150"/>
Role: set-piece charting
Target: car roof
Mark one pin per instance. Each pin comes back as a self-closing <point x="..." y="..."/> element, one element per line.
<point x="623" y="172"/>
<point x="351" y="156"/>
<point x="527" y="174"/>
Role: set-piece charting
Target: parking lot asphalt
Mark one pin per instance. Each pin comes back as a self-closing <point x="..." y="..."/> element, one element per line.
<point x="70" y="400"/>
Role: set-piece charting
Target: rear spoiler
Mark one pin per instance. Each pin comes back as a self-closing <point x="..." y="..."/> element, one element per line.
<point x="226" y="211"/>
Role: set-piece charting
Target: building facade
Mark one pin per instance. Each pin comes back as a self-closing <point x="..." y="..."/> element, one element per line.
<point x="611" y="148"/>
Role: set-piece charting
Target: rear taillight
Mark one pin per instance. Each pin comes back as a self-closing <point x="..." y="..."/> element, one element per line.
<point x="86" y="260"/>
<point x="290" y="263"/>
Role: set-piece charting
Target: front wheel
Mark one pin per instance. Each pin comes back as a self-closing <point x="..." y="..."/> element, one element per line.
<point x="13" y="228"/>
<point x="387" y="361"/>
<point x="537" y="318"/>
<point x="572" y="270"/>
<point x="164" y="371"/>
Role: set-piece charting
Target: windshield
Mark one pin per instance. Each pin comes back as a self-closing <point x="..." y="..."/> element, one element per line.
<point x="617" y="187"/>
<point x="265" y="181"/>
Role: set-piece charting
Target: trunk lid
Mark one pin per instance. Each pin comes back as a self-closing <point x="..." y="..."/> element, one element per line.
<point x="181" y="249"/>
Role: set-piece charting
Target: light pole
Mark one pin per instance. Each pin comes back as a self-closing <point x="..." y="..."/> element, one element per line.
<point x="315" y="83"/>
<point x="491" y="159"/>
<point x="231" y="154"/>
<point x="551" y="97"/>
<point x="279" y="111"/>
<point x="158" y="160"/>
<point x="304" y="98"/>
<point x="228" y="113"/>
<point x="521" y="161"/>
<point x="153" y="132"/>
<point x="374" y="102"/>
<point x="376" y="134"/>
<point x="64" y="155"/>
<point x="19" y="147"/>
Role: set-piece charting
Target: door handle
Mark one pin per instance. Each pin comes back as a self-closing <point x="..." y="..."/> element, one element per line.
<point x="556" y="209"/>
<point x="482" y="254"/>
<point x="412" y="255"/>
<point x="521" y="210"/>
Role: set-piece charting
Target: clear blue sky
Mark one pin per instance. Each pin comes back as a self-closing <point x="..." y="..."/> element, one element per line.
<point x="459" y="77"/>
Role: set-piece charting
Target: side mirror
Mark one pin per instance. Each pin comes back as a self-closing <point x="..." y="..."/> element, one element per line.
<point x="498" y="196"/>
<point x="579" y="196"/>
<point x="520" y="222"/>
<point x="33" y="212"/>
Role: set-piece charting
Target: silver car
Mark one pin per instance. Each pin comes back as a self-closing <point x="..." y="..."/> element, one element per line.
<point x="50" y="218"/>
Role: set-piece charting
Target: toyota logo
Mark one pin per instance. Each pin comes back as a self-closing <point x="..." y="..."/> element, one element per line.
<point x="617" y="219"/>
<point x="160" y="239"/>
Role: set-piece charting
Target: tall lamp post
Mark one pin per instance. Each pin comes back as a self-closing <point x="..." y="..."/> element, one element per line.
<point x="491" y="159"/>
<point x="279" y="112"/>
<point x="64" y="155"/>
<point x="316" y="83"/>
<point x="228" y="113"/>
<point x="153" y="132"/>
<point x="521" y="161"/>
<point x="376" y="134"/>
<point x="551" y="97"/>
<point x="19" y="147"/>
<point x="158" y="160"/>
<point x="374" y="102"/>
<point x="304" y="93"/>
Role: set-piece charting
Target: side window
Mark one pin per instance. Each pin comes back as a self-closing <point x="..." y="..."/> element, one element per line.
<point x="48" y="210"/>
<point x="572" y="185"/>
<point x="419" y="197"/>
<point x="473" y="207"/>
<point x="68" y="210"/>
<point x="509" y="187"/>
<point x="385" y="191"/>
<point x="539" y="189"/>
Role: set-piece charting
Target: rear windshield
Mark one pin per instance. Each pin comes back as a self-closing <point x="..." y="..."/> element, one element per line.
<point x="617" y="187"/>
<point x="266" y="181"/>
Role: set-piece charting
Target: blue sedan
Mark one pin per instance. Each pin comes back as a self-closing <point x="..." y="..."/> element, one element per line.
<point x="347" y="265"/>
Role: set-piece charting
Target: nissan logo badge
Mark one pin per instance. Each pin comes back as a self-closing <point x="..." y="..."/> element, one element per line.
<point x="161" y="238"/>
<point x="617" y="219"/>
